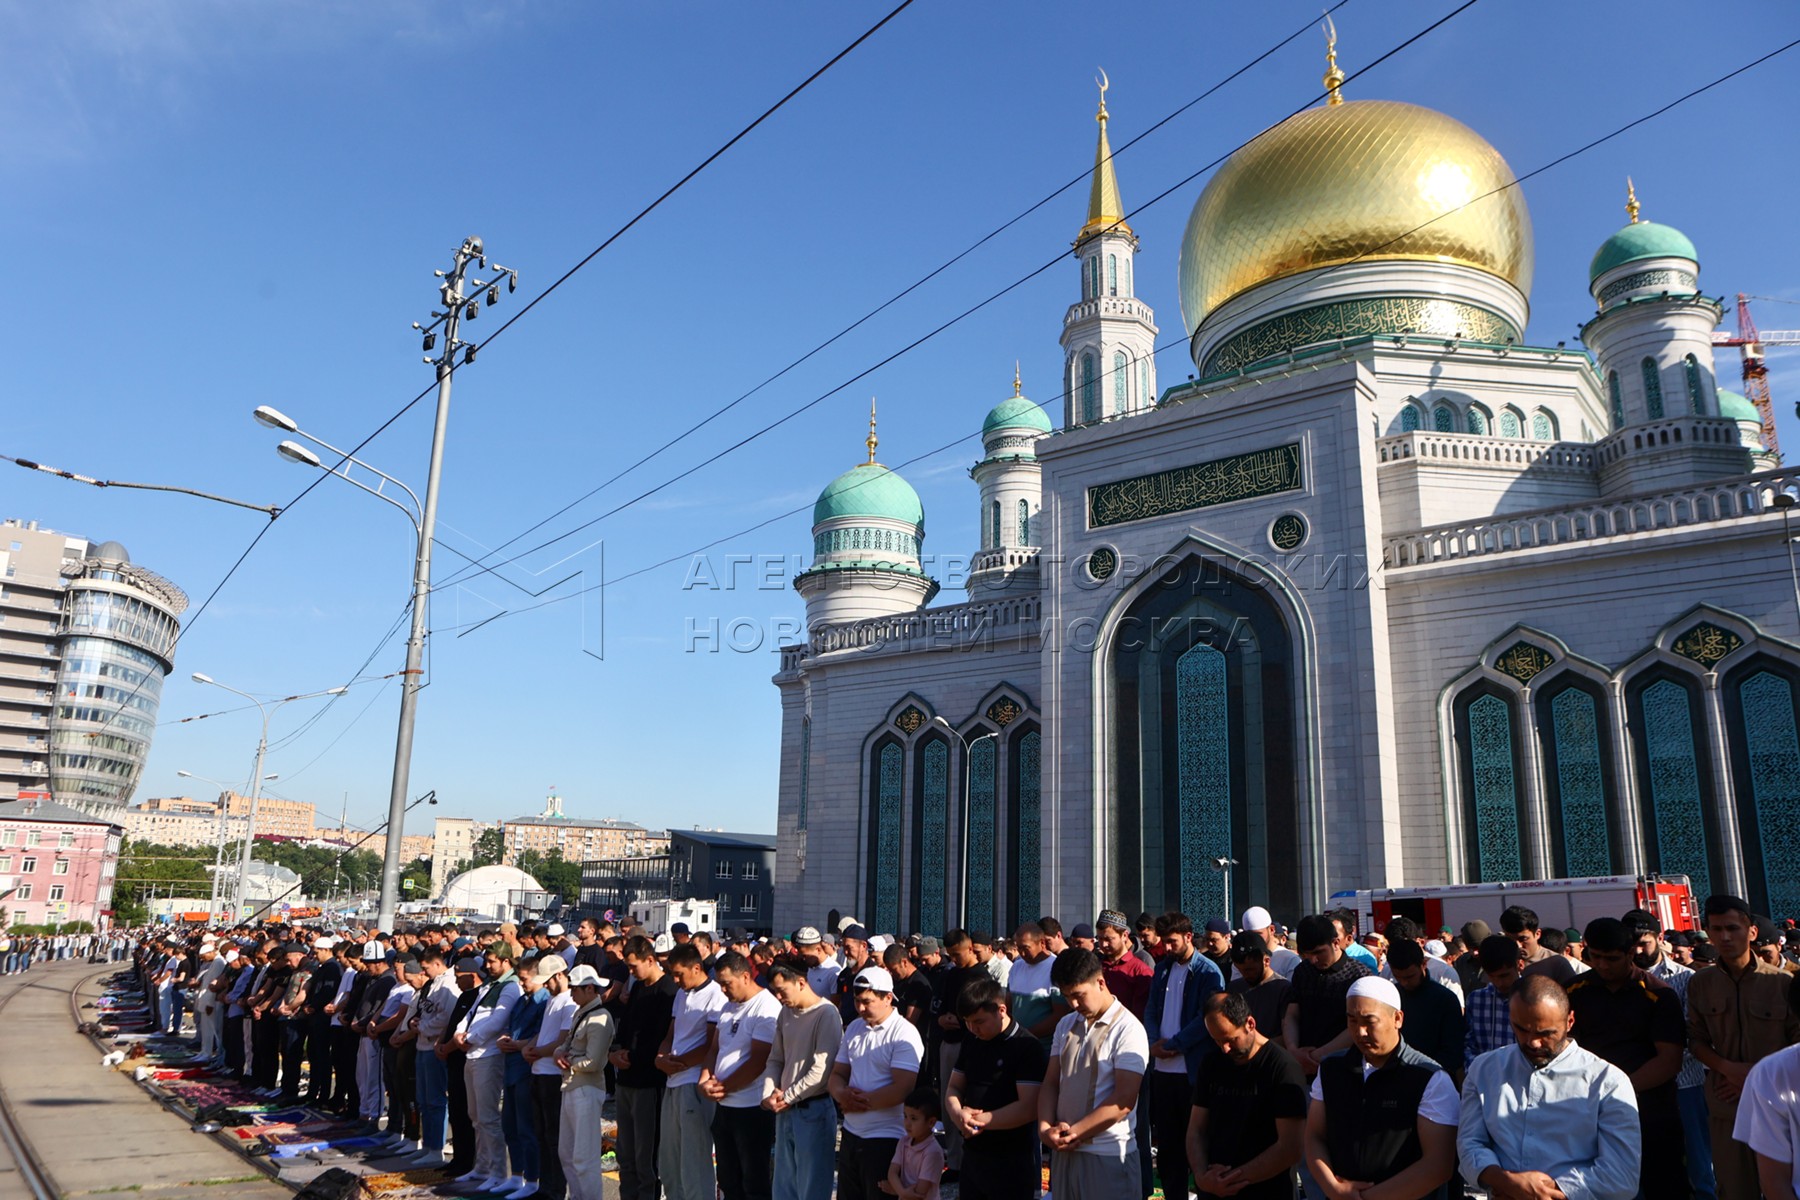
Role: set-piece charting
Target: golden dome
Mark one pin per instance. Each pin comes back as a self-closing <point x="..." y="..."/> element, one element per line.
<point x="1353" y="182"/>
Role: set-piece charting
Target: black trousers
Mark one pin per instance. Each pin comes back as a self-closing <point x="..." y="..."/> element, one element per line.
<point x="744" y="1151"/>
<point x="862" y="1166"/>
<point x="321" y="1057"/>
<point x="1664" y="1172"/>
<point x="546" y="1122"/>
<point x="402" y="1091"/>
<point x="293" y="1054"/>
<point x="265" y="1047"/>
<point x="1171" y="1098"/>
<point x="234" y="1045"/>
<point x="343" y="1063"/>
<point x="999" y="1176"/>
<point x="462" y="1129"/>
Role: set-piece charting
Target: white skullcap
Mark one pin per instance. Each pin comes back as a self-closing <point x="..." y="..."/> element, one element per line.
<point x="1436" y="948"/>
<point x="1376" y="988"/>
<point x="1257" y="919"/>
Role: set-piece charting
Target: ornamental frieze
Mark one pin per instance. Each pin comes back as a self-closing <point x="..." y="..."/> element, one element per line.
<point x="1240" y="477"/>
<point x="1357" y="318"/>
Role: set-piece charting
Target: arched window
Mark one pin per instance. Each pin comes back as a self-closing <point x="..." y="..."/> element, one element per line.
<point x="1675" y="793"/>
<point x="1510" y="425"/>
<point x="1443" y="419"/>
<point x="1541" y="429"/>
<point x="1027" y="828"/>
<point x="1760" y="701"/>
<point x="1652" y="389"/>
<point x="994" y="525"/>
<point x="1144" y="397"/>
<point x="1695" y="389"/>
<point x="1120" y="374"/>
<point x="1128" y="290"/>
<point x="1094" y="277"/>
<point x="1409" y="419"/>
<point x="1478" y="420"/>
<point x="1488" y="763"/>
<point x="1112" y="274"/>
<point x="1090" y="390"/>
<point x="979" y="848"/>
<point x="931" y="821"/>
<point x="887" y="768"/>
<point x="1025" y="523"/>
<point x="1203" y="776"/>
<point x="1574" y="730"/>
<point x="1618" y="399"/>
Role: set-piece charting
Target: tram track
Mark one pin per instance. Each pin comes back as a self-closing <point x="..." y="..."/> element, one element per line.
<point x="32" y="1172"/>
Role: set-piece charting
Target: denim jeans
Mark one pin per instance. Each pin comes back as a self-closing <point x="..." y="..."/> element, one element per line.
<point x="434" y="1099"/>
<point x="806" y="1151"/>
<point x="517" y="1128"/>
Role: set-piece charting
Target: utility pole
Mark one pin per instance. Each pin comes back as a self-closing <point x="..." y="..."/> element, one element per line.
<point x="460" y="298"/>
<point x="343" y="816"/>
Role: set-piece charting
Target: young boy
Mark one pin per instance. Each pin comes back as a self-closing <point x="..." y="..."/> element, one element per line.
<point x="918" y="1161"/>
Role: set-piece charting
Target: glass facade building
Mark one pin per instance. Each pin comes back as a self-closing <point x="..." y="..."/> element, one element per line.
<point x="117" y="641"/>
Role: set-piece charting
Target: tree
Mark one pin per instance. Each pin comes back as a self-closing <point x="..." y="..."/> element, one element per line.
<point x="553" y="872"/>
<point x="490" y="847"/>
<point x="418" y="872"/>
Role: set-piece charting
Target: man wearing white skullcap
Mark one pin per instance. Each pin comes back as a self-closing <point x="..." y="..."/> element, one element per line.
<point x="1281" y="960"/>
<point x="1382" y="1113"/>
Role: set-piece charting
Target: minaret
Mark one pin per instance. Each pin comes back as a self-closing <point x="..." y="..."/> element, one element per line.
<point x="1109" y="336"/>
<point x="1012" y="492"/>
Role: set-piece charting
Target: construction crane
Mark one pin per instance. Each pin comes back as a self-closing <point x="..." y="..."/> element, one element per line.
<point x="1756" y="369"/>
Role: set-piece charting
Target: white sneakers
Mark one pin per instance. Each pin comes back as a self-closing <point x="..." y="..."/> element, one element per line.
<point x="528" y="1188"/>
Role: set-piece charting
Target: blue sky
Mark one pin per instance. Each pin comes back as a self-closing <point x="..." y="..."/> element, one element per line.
<point x="217" y="205"/>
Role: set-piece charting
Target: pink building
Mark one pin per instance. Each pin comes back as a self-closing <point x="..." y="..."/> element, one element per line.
<point x="56" y="863"/>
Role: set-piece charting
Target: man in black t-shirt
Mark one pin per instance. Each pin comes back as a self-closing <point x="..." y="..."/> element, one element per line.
<point x="913" y="993"/>
<point x="1247" y="1127"/>
<point x="992" y="1097"/>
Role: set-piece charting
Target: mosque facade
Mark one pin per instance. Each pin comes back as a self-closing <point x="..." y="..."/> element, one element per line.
<point x="1383" y="595"/>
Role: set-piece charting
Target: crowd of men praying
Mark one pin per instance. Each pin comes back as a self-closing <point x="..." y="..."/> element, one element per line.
<point x="1097" y="1062"/>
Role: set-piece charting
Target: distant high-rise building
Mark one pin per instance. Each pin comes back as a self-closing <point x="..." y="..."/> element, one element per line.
<point x="86" y="639"/>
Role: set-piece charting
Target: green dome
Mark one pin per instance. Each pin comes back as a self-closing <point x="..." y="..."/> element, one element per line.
<point x="1641" y="239"/>
<point x="1737" y="407"/>
<point x="869" y="490"/>
<point x="1016" y="412"/>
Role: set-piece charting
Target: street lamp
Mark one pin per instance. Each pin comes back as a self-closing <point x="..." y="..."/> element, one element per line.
<point x="1785" y="501"/>
<point x="1223" y="864"/>
<point x="460" y="297"/>
<point x="268" y="709"/>
<point x="212" y="905"/>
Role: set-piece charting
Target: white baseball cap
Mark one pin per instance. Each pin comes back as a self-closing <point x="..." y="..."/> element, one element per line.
<point x="584" y="976"/>
<point x="873" y="979"/>
<point x="552" y="964"/>
<point x="1257" y="919"/>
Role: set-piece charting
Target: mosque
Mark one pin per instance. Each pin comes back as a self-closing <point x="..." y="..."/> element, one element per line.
<point x="1384" y="595"/>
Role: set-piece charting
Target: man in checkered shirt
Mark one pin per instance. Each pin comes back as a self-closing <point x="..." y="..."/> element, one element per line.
<point x="1489" y="1021"/>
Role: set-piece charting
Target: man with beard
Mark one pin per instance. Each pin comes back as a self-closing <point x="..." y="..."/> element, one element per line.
<point x="1247" y="1123"/>
<point x="1544" y="1117"/>
<point x="1215" y="943"/>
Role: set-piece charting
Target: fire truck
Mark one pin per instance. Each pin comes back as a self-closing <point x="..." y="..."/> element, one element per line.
<point x="1559" y="903"/>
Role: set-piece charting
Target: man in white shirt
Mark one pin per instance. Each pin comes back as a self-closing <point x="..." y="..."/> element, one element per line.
<point x="1768" y="1121"/>
<point x="546" y="1076"/>
<point x="743" y="1130"/>
<point x="877" y="1065"/>
<point x="1281" y="960"/>
<point x="484" y="1067"/>
<point x="684" y="1157"/>
<point x="431" y="1081"/>
<point x="1087" y="1108"/>
<point x="209" y="1012"/>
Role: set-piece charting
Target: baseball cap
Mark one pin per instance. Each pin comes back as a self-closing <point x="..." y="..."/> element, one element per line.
<point x="1083" y="930"/>
<point x="584" y="976"/>
<point x="1257" y="919"/>
<point x="461" y="943"/>
<point x="551" y="964"/>
<point x="929" y="945"/>
<point x="854" y="931"/>
<point x="555" y="931"/>
<point x="680" y="927"/>
<point x="1219" y="925"/>
<point x="845" y="923"/>
<point x="879" y="943"/>
<point x="806" y="935"/>
<point x="873" y="979"/>
<point x="468" y="966"/>
<point x="1247" y="945"/>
